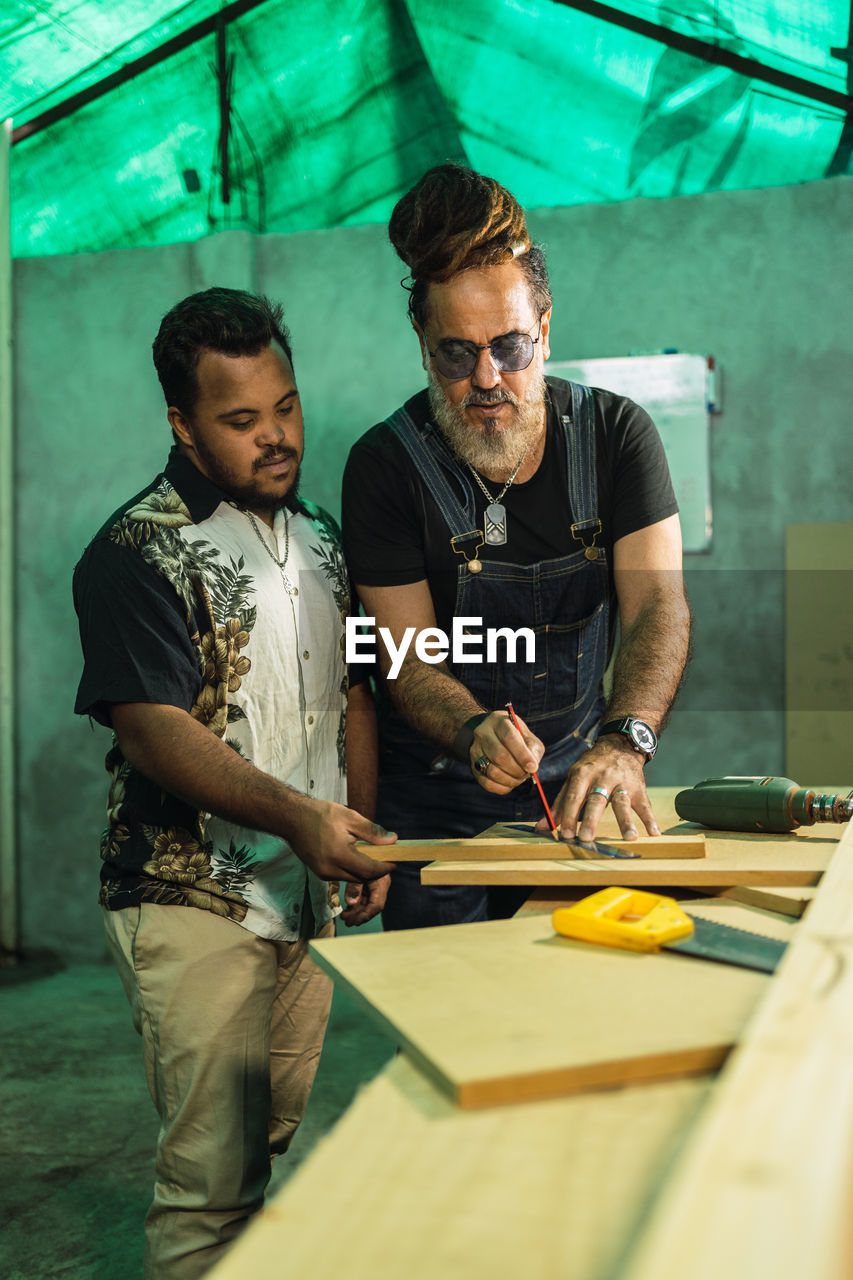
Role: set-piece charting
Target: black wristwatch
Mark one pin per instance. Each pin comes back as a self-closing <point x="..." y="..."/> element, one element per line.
<point x="641" y="736"/>
<point x="462" y="746"/>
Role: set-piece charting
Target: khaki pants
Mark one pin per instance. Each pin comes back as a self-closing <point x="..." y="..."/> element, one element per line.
<point x="232" y="1026"/>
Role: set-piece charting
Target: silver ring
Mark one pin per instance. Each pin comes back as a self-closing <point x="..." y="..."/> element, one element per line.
<point x="600" y="791"/>
<point x="482" y="764"/>
<point x="620" y="791"/>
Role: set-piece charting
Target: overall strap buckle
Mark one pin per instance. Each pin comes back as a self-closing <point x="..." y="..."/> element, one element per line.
<point x="591" y="551"/>
<point x="473" y="562"/>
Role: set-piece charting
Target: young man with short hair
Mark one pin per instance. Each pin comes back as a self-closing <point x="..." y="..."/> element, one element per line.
<point x="212" y="609"/>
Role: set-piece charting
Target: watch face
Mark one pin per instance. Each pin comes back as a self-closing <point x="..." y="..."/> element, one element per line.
<point x="643" y="736"/>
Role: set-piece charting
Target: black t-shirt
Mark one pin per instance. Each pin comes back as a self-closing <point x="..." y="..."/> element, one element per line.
<point x="394" y="532"/>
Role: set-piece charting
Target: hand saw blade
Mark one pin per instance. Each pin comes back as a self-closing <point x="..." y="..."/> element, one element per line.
<point x="711" y="940"/>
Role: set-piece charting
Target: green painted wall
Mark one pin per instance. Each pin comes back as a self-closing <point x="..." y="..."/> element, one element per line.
<point x="757" y="278"/>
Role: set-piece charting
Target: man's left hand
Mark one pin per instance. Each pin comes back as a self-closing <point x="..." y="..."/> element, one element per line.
<point x="611" y="773"/>
<point x="364" y="901"/>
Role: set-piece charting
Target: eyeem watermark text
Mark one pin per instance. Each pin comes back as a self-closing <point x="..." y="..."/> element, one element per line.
<point x="433" y="645"/>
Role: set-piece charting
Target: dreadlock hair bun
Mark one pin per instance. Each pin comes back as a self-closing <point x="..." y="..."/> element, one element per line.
<point x="454" y="219"/>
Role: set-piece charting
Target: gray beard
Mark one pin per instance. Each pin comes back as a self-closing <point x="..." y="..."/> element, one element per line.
<point x="493" y="450"/>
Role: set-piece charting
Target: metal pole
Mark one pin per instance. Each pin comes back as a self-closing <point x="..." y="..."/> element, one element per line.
<point x="224" y="108"/>
<point x="8" y="822"/>
<point x="717" y="54"/>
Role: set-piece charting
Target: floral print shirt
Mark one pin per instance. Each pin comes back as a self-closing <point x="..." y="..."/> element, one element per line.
<point x="181" y="600"/>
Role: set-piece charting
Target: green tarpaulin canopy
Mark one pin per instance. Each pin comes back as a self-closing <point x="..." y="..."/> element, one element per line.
<point x="330" y="112"/>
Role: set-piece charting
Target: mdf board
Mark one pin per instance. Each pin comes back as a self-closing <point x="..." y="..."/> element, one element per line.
<point x="409" y="1187"/>
<point x="731" y="858"/>
<point x="505" y="1010"/>
<point x="819" y="654"/>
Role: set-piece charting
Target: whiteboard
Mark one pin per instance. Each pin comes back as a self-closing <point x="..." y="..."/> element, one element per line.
<point x="673" y="389"/>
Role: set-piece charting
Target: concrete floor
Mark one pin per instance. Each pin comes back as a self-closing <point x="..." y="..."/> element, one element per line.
<point x="78" y="1128"/>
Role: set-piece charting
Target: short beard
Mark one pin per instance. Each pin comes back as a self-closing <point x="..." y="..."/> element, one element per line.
<point x="493" y="450"/>
<point x="248" y="495"/>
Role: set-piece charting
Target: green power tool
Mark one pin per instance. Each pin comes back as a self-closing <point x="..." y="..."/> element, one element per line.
<point x="759" y="804"/>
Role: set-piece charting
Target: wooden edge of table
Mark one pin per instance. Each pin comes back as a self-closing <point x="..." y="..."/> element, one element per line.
<point x="509" y="849"/>
<point x="765" y="1185"/>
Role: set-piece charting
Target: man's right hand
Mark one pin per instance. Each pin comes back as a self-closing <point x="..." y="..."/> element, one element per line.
<point x="172" y="749"/>
<point x="324" y="838"/>
<point x="505" y="757"/>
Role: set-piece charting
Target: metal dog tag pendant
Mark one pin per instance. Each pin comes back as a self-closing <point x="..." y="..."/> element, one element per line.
<point x="494" y="525"/>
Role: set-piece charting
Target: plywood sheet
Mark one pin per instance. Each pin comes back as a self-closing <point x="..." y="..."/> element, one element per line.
<point x="731" y="858"/>
<point x="819" y="653"/>
<point x="411" y="1186"/>
<point x="506" y="1010"/>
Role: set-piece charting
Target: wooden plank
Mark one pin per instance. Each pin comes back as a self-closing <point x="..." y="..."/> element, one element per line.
<point x="818" y="653"/>
<point x="408" y="1185"/>
<point x="787" y="901"/>
<point x="731" y="858"/>
<point x="765" y="1186"/>
<point x="798" y="862"/>
<point x="506" y="1010"/>
<point x="498" y="845"/>
<point x="543" y="901"/>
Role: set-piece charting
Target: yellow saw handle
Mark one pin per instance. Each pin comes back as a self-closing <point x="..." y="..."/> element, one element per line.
<point x="627" y="918"/>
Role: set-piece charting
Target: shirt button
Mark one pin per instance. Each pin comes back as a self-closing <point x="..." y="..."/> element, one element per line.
<point x="311" y="785"/>
<point x="305" y="653"/>
<point x="296" y="591"/>
<point x="310" y="719"/>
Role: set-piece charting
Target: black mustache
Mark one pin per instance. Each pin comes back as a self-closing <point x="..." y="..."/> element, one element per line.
<point x="276" y="455"/>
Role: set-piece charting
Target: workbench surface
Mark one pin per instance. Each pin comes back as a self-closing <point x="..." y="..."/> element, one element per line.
<point x="731" y="858"/>
<point x="413" y="1186"/>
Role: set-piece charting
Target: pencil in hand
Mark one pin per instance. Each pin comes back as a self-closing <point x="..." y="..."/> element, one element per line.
<point x="554" y="832"/>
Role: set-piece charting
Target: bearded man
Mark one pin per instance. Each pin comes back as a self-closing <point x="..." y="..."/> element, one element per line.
<point x="510" y="500"/>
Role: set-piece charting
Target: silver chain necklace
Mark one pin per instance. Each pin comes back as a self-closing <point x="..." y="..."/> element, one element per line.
<point x="290" y="587"/>
<point x="494" y="518"/>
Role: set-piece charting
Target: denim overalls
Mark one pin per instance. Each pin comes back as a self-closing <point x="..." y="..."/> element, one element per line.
<point x="565" y="601"/>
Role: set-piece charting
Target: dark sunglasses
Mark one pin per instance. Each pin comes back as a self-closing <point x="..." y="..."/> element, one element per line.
<point x="510" y="352"/>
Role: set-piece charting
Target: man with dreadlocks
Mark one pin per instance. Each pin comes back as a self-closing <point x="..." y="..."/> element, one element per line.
<point x="502" y="498"/>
